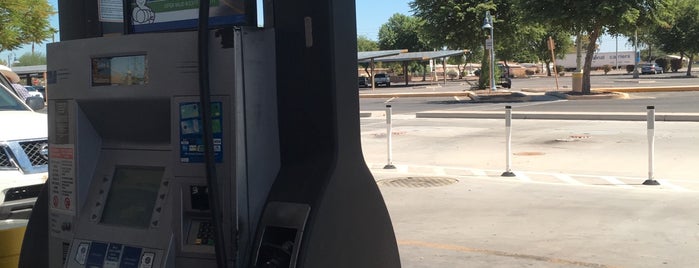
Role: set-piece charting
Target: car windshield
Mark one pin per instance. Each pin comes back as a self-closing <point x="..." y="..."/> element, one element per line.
<point x="8" y="100"/>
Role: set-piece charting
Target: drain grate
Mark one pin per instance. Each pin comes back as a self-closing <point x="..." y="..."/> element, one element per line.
<point x="417" y="182"/>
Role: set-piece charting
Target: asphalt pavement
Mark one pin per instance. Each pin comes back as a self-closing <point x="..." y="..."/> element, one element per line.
<point x="578" y="198"/>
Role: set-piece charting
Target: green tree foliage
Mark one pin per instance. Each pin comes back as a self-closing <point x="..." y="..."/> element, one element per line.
<point x="593" y="18"/>
<point x="24" y="22"/>
<point x="562" y="43"/>
<point x="366" y="44"/>
<point x="29" y="59"/>
<point x="454" y="23"/>
<point x="401" y="32"/>
<point x="682" y="33"/>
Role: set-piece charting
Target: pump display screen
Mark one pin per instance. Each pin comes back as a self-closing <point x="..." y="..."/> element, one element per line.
<point x="132" y="196"/>
<point x="120" y="71"/>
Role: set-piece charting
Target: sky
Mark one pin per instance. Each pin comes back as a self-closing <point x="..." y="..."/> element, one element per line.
<point x="371" y="14"/>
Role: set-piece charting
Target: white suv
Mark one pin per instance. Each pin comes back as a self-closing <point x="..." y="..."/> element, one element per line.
<point x="23" y="153"/>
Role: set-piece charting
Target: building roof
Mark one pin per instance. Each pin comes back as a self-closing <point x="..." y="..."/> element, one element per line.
<point x="368" y="55"/>
<point x="418" y="56"/>
<point x="34" y="69"/>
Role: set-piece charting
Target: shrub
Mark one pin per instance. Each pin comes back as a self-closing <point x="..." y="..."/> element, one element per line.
<point x="662" y="62"/>
<point x="676" y="64"/>
<point x="529" y="72"/>
<point x="606" y="68"/>
<point x="452" y="74"/>
<point x="629" y="68"/>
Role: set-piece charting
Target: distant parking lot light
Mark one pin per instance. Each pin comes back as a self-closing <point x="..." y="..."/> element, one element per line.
<point x="490" y="44"/>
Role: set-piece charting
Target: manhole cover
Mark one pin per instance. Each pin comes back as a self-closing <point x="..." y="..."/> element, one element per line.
<point x="417" y="182"/>
<point x="528" y="153"/>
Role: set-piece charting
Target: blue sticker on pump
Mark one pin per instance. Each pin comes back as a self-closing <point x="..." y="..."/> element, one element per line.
<point x="130" y="257"/>
<point x="95" y="259"/>
<point x="191" y="141"/>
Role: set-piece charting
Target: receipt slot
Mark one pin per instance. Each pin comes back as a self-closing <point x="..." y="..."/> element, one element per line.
<point x="129" y="167"/>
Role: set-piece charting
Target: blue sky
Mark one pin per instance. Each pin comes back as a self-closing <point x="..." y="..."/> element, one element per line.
<point x="371" y="14"/>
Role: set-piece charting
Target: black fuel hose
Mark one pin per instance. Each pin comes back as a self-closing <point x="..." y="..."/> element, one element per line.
<point x="205" y="100"/>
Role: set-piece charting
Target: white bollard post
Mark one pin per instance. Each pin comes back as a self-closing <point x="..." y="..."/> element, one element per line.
<point x="508" y="140"/>
<point x="389" y="133"/>
<point x="651" y="147"/>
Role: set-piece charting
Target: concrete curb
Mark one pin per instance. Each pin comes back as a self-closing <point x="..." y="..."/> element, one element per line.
<point x="419" y="94"/>
<point x="668" y="117"/>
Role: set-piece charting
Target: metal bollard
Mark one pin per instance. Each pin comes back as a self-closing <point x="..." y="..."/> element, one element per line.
<point x="508" y="128"/>
<point x="389" y="133"/>
<point x="651" y="147"/>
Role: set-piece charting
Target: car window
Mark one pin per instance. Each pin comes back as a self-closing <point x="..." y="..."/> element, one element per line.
<point x="8" y="100"/>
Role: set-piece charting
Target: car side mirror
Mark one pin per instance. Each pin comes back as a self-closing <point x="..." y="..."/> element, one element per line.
<point x="35" y="102"/>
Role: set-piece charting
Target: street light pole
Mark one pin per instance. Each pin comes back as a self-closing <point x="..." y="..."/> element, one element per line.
<point x="490" y="44"/>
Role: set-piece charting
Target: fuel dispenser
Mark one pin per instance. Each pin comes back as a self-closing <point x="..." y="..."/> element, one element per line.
<point x="261" y="170"/>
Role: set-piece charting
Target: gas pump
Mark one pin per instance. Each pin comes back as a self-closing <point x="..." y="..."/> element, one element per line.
<point x="149" y="170"/>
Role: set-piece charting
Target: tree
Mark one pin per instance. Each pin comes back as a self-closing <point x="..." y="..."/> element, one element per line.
<point x="683" y="32"/>
<point x="458" y="25"/>
<point x="29" y="59"/>
<point x="453" y="24"/>
<point x="594" y="18"/>
<point x="24" y="22"/>
<point x="562" y="42"/>
<point x="401" y="32"/>
<point x="366" y="44"/>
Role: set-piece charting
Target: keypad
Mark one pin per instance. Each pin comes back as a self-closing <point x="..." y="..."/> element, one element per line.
<point x="205" y="234"/>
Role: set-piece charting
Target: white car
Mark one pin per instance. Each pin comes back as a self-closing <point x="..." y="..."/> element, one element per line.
<point x="23" y="153"/>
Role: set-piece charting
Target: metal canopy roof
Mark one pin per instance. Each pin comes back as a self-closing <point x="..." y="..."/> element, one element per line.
<point x="368" y="55"/>
<point x="420" y="56"/>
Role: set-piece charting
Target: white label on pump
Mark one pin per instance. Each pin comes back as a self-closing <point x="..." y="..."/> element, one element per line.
<point x="81" y="253"/>
<point x="62" y="179"/>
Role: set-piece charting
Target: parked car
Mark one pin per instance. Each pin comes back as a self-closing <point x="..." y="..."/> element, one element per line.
<point x="23" y="153"/>
<point x="382" y="79"/>
<point x="651" y="68"/>
<point x="363" y="81"/>
<point x="34" y="91"/>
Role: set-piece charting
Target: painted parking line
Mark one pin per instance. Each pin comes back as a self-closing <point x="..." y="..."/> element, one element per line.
<point x="567" y="179"/>
<point x="665" y="183"/>
<point x="478" y="172"/>
<point x="522" y="177"/>
<point x="616" y="182"/>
